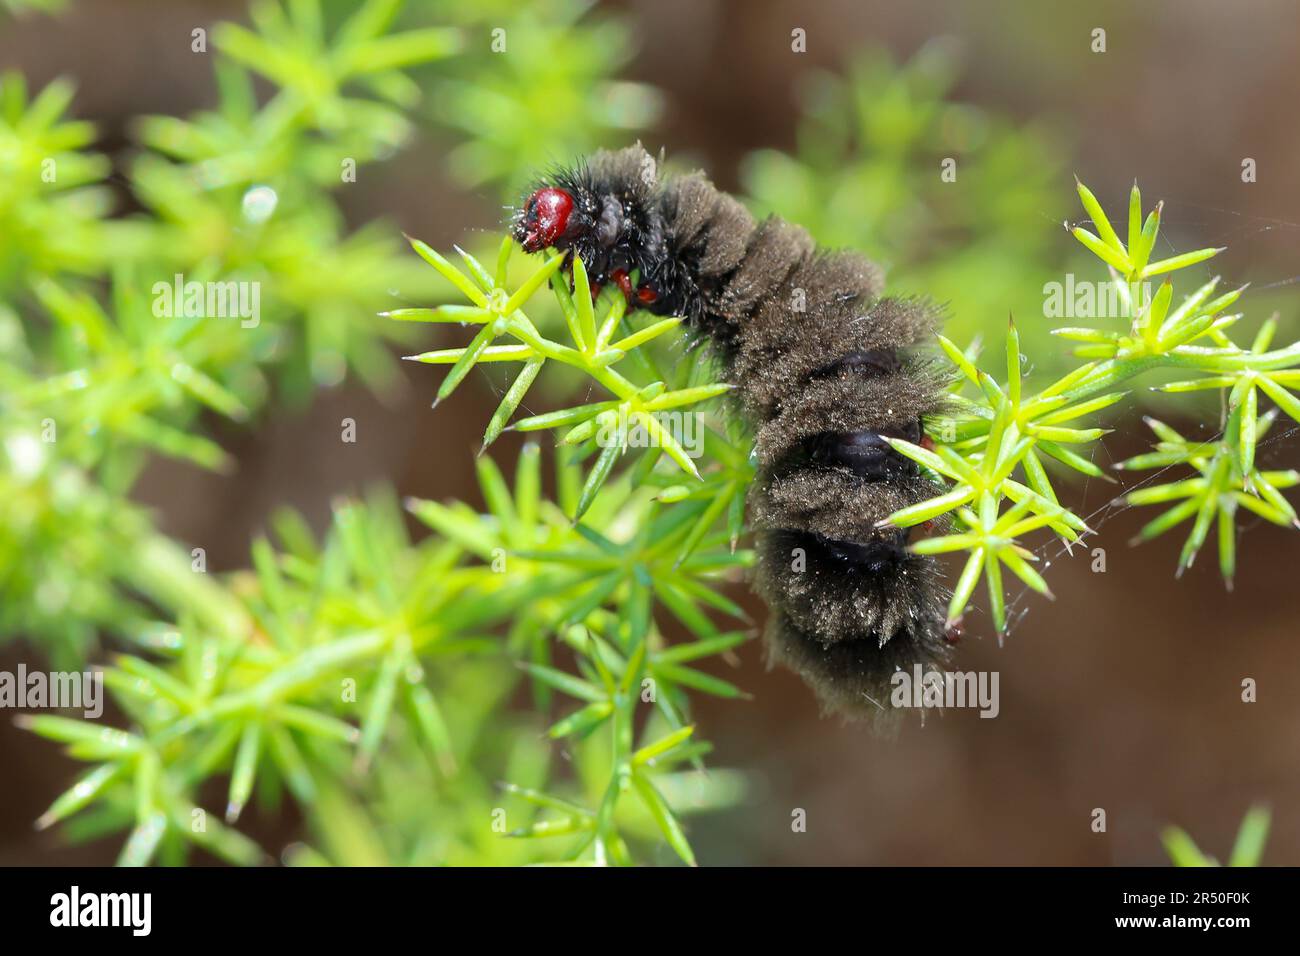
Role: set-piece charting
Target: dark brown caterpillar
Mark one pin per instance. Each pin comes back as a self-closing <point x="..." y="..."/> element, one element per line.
<point x="820" y="366"/>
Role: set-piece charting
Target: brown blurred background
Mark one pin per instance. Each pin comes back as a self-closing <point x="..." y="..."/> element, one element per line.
<point x="1123" y="694"/>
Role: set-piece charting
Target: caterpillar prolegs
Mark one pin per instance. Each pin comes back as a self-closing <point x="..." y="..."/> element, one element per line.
<point x="822" y="368"/>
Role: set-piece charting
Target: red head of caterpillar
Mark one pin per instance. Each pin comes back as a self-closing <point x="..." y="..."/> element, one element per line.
<point x="613" y="217"/>
<point x="545" y="219"/>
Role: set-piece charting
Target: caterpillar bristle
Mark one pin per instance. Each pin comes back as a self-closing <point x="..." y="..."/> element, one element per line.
<point x="848" y="679"/>
<point x="825" y="370"/>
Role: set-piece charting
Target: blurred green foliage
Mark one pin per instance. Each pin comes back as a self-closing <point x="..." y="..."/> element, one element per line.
<point x="549" y="63"/>
<point x="51" y="200"/>
<point x="1247" y="849"/>
<point x="868" y="173"/>
<point x="29" y="6"/>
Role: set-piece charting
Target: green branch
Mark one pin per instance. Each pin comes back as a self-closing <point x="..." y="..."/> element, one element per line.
<point x="999" y="436"/>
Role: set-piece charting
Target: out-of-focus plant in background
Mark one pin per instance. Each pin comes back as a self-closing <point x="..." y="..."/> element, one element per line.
<point x="881" y="152"/>
<point x="1247" y="848"/>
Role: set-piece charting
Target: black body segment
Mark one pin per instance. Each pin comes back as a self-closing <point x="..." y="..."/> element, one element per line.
<point x="823" y="370"/>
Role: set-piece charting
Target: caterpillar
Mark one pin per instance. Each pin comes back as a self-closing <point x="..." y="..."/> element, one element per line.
<point x="823" y="368"/>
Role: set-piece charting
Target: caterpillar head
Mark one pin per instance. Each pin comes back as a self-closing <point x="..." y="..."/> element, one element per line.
<point x="546" y="219"/>
<point x="608" y="213"/>
<point x="574" y="214"/>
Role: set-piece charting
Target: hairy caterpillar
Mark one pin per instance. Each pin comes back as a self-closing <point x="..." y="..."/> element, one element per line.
<point x="821" y="370"/>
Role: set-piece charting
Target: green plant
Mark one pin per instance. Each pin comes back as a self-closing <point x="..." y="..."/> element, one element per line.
<point x="328" y="656"/>
<point x="96" y="376"/>
<point x="93" y="380"/>
<point x="27" y="6"/>
<point x="52" y="200"/>
<point x="1246" y="850"/>
<point x="548" y="88"/>
<point x="597" y="347"/>
<point x="358" y="670"/>
<point x="666" y="560"/>
<point x="950" y="198"/>
<point x="999" y="431"/>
